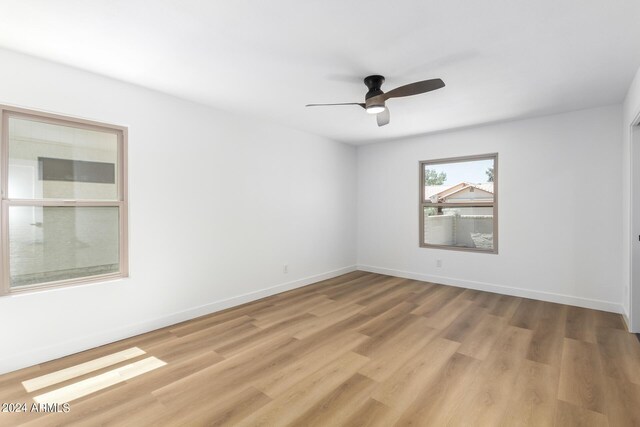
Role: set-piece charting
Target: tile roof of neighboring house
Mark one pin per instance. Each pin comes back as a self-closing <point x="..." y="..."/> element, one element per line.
<point x="486" y="186"/>
<point x="443" y="190"/>
<point x="432" y="190"/>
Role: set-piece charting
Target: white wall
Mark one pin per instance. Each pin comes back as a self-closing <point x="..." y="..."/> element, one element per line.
<point x="218" y="203"/>
<point x="559" y="200"/>
<point x="630" y="112"/>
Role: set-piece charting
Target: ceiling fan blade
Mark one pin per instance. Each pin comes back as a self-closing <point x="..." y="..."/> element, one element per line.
<point x="341" y="103"/>
<point x="414" y="88"/>
<point x="383" y="118"/>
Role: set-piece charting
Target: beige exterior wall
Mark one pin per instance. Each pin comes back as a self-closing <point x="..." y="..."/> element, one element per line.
<point x="469" y="230"/>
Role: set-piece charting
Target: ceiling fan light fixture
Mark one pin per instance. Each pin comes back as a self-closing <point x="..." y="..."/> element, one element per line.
<point x="375" y="109"/>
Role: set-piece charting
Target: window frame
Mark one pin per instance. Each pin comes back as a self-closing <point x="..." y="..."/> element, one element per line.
<point x="422" y="204"/>
<point x="121" y="202"/>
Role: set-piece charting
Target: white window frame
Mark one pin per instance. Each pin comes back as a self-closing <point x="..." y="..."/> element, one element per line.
<point x="121" y="203"/>
<point x="423" y="203"/>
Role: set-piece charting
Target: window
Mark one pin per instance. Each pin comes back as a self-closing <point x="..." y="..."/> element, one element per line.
<point x="64" y="201"/>
<point x="459" y="203"/>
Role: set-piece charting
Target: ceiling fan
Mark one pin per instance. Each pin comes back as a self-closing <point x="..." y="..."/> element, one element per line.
<point x="375" y="99"/>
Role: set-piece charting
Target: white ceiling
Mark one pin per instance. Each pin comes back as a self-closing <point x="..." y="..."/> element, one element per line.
<point x="500" y="59"/>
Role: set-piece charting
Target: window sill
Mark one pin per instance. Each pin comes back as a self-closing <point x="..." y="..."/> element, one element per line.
<point x="460" y="249"/>
<point x="65" y="284"/>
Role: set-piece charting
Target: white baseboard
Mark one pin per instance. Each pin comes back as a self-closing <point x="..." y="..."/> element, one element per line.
<point x="627" y="323"/>
<point x="500" y="289"/>
<point x="40" y="355"/>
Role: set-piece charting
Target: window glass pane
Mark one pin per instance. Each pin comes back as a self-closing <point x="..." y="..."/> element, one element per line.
<point x="51" y="161"/>
<point x="464" y="227"/>
<point x="56" y="243"/>
<point x="459" y="182"/>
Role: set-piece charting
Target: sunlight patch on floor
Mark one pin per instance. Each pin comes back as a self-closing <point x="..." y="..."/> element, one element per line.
<point x="100" y="382"/>
<point x="81" y="369"/>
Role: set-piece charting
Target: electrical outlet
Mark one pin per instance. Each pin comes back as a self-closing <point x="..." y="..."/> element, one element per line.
<point x="438" y="263"/>
<point x="285" y="268"/>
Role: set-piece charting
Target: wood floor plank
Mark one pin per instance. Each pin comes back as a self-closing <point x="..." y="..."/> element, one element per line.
<point x="604" y="319"/>
<point x="361" y="288"/>
<point x="481" y="341"/>
<point x="379" y="338"/>
<point x="533" y="400"/>
<point x="379" y="307"/>
<point x="348" y="325"/>
<point x="276" y="313"/>
<point x="488" y="300"/>
<point x="223" y="411"/>
<point x="339" y="405"/>
<point x="581" y="376"/>
<point x="438" y="299"/>
<point x="506" y="306"/>
<point x="231" y="343"/>
<point x="143" y="409"/>
<point x="364" y="294"/>
<point x="580" y="324"/>
<point x="548" y="335"/>
<point x="471" y="294"/>
<point x="386" y="360"/>
<point x="378" y="322"/>
<point x="448" y="313"/>
<point x="486" y="402"/>
<point x="198" y="342"/>
<point x="212" y="324"/>
<point x="276" y="383"/>
<point x="623" y="402"/>
<point x="464" y="324"/>
<point x="568" y="415"/>
<point x="322" y="322"/>
<point x="528" y="314"/>
<point x="620" y="356"/>
<point x="372" y="414"/>
<point x="227" y="375"/>
<point x="423" y="294"/>
<point x="399" y="390"/>
<point x="328" y="307"/>
<point x="301" y="397"/>
<point x="439" y="400"/>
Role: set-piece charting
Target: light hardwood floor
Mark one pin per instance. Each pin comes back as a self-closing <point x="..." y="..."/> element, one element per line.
<point x="358" y="350"/>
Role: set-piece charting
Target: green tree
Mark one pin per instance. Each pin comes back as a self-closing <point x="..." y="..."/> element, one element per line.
<point x="489" y="173"/>
<point x="431" y="177"/>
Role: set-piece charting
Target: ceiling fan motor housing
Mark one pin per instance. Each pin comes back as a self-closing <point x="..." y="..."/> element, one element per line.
<point x="374" y="83"/>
